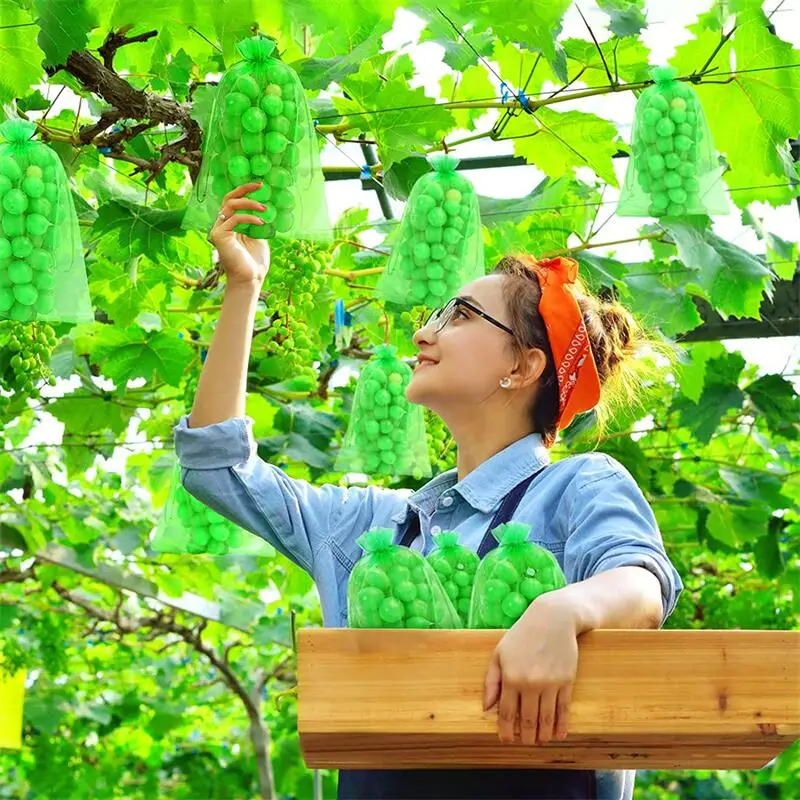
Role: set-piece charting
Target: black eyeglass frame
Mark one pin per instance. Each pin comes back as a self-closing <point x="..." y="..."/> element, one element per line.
<point x="460" y="301"/>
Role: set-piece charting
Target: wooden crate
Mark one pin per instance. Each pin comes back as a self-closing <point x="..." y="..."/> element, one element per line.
<point x="646" y="699"/>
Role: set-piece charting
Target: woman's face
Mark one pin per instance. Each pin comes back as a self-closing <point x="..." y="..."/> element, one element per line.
<point x="472" y="355"/>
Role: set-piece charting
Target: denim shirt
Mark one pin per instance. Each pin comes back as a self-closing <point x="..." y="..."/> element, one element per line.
<point x="586" y="509"/>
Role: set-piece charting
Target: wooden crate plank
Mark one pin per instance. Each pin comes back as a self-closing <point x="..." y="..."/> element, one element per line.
<point x="705" y="699"/>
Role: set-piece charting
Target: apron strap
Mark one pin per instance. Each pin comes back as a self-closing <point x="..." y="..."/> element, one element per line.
<point x="502" y="515"/>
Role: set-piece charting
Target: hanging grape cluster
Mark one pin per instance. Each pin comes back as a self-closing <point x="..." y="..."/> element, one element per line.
<point x="29" y="194"/>
<point x="295" y="282"/>
<point x="30" y="345"/>
<point x="441" y="447"/>
<point x="208" y="531"/>
<point x="434" y="252"/>
<point x="667" y="160"/>
<point x="262" y="129"/>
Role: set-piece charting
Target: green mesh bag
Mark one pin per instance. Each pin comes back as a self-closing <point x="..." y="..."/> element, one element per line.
<point x="673" y="170"/>
<point x="511" y="577"/>
<point x="42" y="272"/>
<point x="188" y="526"/>
<point x="439" y="244"/>
<point x="395" y="587"/>
<point x="260" y="129"/>
<point x="386" y="433"/>
<point x="455" y="565"/>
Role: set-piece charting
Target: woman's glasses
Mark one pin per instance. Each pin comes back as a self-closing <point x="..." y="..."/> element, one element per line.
<point x="441" y="316"/>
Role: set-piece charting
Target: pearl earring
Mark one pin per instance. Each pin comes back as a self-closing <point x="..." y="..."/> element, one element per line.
<point x="505" y="383"/>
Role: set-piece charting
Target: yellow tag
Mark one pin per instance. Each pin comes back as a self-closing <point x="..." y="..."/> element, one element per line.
<point x="12" y="692"/>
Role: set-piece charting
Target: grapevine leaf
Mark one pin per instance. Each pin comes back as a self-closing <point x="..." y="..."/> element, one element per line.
<point x="458" y="55"/>
<point x="203" y="104"/>
<point x="126" y="289"/>
<point x="400" y="178"/>
<point x="397" y="132"/>
<point x="234" y="20"/>
<point x="764" y="101"/>
<point x="318" y="73"/>
<point x="559" y="141"/>
<point x="19" y="54"/>
<point x="767" y="551"/>
<point x="628" y="60"/>
<point x="733" y="278"/>
<point x="35" y="101"/>
<point x="692" y="373"/>
<point x="64" y="26"/>
<point x="134" y="353"/>
<point x="735" y="525"/>
<point x="472" y="84"/>
<point x="777" y="401"/>
<point x="86" y="413"/>
<point x="626" y="17"/>
<point x="782" y="256"/>
<point x="658" y="305"/>
<point x="124" y="229"/>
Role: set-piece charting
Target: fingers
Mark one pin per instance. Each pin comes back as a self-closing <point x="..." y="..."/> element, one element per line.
<point x="240" y="219"/>
<point x="547" y="714"/>
<point x="507" y="713"/>
<point x="563" y="705"/>
<point x="241" y="205"/>
<point x="491" y="687"/>
<point x="529" y="716"/>
<point x="241" y="191"/>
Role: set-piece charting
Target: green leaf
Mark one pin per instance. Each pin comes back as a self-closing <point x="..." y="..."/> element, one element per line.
<point x="64" y="26"/>
<point x="720" y="394"/>
<point x="35" y="101"/>
<point x="472" y="84"/>
<point x="19" y="53"/>
<point x="670" y="309"/>
<point x="559" y="141"/>
<point x="733" y="278"/>
<point x="85" y="413"/>
<point x="692" y="374"/>
<point x="626" y="17"/>
<point x="397" y="132"/>
<point x="400" y="178"/>
<point x="755" y="487"/>
<point x="125" y="289"/>
<point x="777" y="402"/>
<point x="127" y="353"/>
<point x="124" y="229"/>
<point x="764" y="102"/>
<point x="782" y="256"/>
<point x="627" y="59"/>
<point x="319" y="72"/>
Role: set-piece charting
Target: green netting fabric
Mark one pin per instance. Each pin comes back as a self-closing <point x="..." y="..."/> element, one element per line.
<point x="439" y="245"/>
<point x="511" y="577"/>
<point x="260" y="129"/>
<point x="455" y="565"/>
<point x="42" y="272"/>
<point x="386" y="433"/>
<point x="188" y="526"/>
<point x="395" y="587"/>
<point x="673" y="170"/>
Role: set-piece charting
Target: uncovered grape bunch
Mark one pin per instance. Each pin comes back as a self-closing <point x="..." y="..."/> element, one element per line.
<point x="30" y="346"/>
<point x="441" y="446"/>
<point x="296" y="286"/>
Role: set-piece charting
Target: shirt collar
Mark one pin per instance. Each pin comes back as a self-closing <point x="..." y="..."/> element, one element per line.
<point x="486" y="486"/>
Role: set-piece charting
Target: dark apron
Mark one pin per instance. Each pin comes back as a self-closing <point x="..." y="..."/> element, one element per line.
<point x="469" y="784"/>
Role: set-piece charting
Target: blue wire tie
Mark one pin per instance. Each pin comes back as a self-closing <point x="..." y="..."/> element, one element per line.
<point x="348" y="319"/>
<point x="316" y="122"/>
<point x="338" y="315"/>
<point x="105" y="150"/>
<point x="366" y="172"/>
<point x="523" y="101"/>
<point x="504" y="92"/>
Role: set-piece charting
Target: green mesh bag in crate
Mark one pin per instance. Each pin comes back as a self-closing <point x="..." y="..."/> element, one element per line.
<point x="439" y="245"/>
<point x="42" y="272"/>
<point x="456" y="566"/>
<point x="187" y="526"/>
<point x="386" y="433"/>
<point x="395" y="587"/>
<point x="511" y="577"/>
<point x="260" y="130"/>
<point x="673" y="170"/>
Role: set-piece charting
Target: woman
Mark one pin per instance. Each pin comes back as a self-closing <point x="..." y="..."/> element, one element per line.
<point x="506" y="364"/>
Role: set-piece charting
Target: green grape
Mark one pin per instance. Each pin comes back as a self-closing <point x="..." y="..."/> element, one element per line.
<point x="248" y="86"/>
<point x="36" y="224"/>
<point x="298" y="273"/>
<point x="21" y="246"/>
<point x="31" y="342"/>
<point x="236" y="103"/>
<point x="272" y="105"/>
<point x="391" y="610"/>
<point x="32" y="186"/>
<point x="239" y="167"/>
<point x="15" y="202"/>
<point x="5" y="249"/>
<point x="260" y="165"/>
<point x="252" y="144"/>
<point x="276" y="142"/>
<point x="254" y="120"/>
<point x="13" y="225"/>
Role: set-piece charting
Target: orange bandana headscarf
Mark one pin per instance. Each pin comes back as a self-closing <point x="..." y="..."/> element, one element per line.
<point x="578" y="381"/>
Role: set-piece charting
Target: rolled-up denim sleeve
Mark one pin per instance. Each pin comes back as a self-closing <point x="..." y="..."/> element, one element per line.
<point x="612" y="525"/>
<point x="221" y="468"/>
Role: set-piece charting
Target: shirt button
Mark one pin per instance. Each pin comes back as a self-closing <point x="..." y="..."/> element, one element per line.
<point x="447" y="501"/>
<point x="436" y="529"/>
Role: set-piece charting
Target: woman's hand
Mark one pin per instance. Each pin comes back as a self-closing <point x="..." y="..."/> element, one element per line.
<point x="532" y="671"/>
<point x="242" y="258"/>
